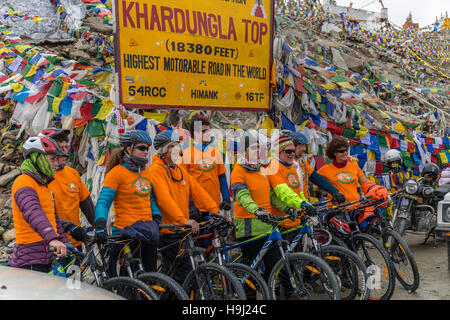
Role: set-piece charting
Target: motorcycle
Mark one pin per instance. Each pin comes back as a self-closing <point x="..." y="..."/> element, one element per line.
<point x="416" y="208"/>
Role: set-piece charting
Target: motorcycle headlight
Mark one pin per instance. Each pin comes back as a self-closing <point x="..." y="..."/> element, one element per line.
<point x="427" y="191"/>
<point x="411" y="186"/>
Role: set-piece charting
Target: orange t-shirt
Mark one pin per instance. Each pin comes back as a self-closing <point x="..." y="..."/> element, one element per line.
<point x="173" y="196"/>
<point x="205" y="167"/>
<point x="132" y="200"/>
<point x="307" y="171"/>
<point x="25" y="234"/>
<point x="69" y="191"/>
<point x="259" y="188"/>
<point x="344" y="179"/>
<point x="288" y="176"/>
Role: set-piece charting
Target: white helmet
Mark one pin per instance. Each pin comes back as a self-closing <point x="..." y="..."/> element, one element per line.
<point x="392" y="155"/>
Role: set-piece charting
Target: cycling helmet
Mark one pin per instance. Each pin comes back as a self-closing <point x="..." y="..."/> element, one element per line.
<point x="45" y="145"/>
<point x="165" y="137"/>
<point x="54" y="133"/>
<point x="133" y="137"/>
<point x="430" y="171"/>
<point x="297" y="137"/>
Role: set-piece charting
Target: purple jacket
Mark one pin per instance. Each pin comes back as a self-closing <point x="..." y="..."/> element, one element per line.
<point x="35" y="253"/>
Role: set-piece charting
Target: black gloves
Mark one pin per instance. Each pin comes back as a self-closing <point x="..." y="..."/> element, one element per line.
<point x="101" y="236"/>
<point x="262" y="214"/>
<point x="78" y="233"/>
<point x="292" y="212"/>
<point x="338" y="198"/>
<point x="225" y="205"/>
<point x="309" y="209"/>
<point x="157" y="219"/>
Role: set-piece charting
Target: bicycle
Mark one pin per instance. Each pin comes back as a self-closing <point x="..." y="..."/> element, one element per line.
<point x="206" y="281"/>
<point x="253" y="283"/>
<point x="339" y="220"/>
<point x="350" y="269"/>
<point x="79" y="262"/>
<point x="162" y="285"/>
<point x="405" y="266"/>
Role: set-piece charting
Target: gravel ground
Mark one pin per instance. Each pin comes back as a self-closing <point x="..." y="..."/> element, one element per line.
<point x="433" y="269"/>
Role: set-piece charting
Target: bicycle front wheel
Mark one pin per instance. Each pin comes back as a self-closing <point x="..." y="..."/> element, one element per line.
<point x="251" y="280"/>
<point x="211" y="281"/>
<point x="405" y="266"/>
<point x="350" y="270"/>
<point x="163" y="286"/>
<point x="379" y="266"/>
<point x="129" y="288"/>
<point x="303" y="276"/>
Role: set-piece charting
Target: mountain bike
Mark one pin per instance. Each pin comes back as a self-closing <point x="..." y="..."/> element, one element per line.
<point x="253" y="283"/>
<point x="163" y="286"/>
<point x="339" y="221"/>
<point x="76" y="263"/>
<point x="206" y="281"/>
<point x="405" y="266"/>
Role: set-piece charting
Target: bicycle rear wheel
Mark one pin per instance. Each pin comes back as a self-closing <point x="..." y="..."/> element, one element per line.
<point x="129" y="288"/>
<point x="163" y="286"/>
<point x="350" y="269"/>
<point x="379" y="265"/>
<point x="303" y="276"/>
<point x="405" y="267"/>
<point x="211" y="281"/>
<point x="251" y="280"/>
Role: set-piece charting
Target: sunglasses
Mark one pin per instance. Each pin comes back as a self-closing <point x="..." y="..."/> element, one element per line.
<point x="342" y="151"/>
<point x="290" y="151"/>
<point x="142" y="148"/>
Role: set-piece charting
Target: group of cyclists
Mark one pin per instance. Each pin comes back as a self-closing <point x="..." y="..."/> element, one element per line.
<point x="178" y="187"/>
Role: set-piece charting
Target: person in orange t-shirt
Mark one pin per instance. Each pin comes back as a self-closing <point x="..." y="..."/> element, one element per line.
<point x="128" y="187"/>
<point x="173" y="187"/>
<point x="205" y="164"/>
<point x="345" y="175"/>
<point x="70" y="193"/>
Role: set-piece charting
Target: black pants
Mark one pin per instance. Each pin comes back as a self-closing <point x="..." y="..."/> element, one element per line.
<point x="250" y="251"/>
<point x="169" y="258"/>
<point x="38" y="267"/>
<point x="146" y="253"/>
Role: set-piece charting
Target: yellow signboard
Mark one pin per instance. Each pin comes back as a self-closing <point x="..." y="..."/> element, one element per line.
<point x="194" y="54"/>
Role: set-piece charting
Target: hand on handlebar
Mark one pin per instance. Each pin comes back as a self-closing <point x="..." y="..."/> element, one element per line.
<point x="59" y="248"/>
<point x="194" y="225"/>
<point x="262" y="214"/>
<point x="293" y="213"/>
<point x="308" y="209"/>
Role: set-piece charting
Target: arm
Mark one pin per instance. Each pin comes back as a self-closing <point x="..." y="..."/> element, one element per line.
<point x="88" y="209"/>
<point x="287" y="195"/>
<point x="277" y="203"/>
<point x="224" y="186"/>
<point x="243" y="197"/>
<point x="322" y="182"/>
<point x="104" y="203"/>
<point x="156" y="213"/>
<point x="28" y="202"/>
<point x="201" y="198"/>
<point x="60" y="228"/>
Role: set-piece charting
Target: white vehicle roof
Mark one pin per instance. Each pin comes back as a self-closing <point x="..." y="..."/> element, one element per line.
<point x="22" y="284"/>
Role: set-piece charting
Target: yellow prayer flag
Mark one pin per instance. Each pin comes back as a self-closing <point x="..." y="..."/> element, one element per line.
<point x="346" y="85"/>
<point x="16" y="86"/>
<point x="32" y="71"/>
<point x="371" y="155"/>
<point x="106" y="108"/>
<point x="55" y="105"/>
<point x="103" y="77"/>
<point x="160" y="117"/>
<point x="268" y="125"/>
<point x="329" y="86"/>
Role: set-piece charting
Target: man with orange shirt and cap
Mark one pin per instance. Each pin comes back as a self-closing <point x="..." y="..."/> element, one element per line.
<point x="173" y="187"/>
<point x="70" y="193"/>
<point x="205" y="164"/>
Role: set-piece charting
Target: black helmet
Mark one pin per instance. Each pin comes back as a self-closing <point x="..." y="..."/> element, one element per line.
<point x="55" y="133"/>
<point x="430" y="171"/>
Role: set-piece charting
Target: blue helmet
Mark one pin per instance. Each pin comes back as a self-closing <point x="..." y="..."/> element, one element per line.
<point x="164" y="137"/>
<point x="297" y="137"/>
<point x="133" y="137"/>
